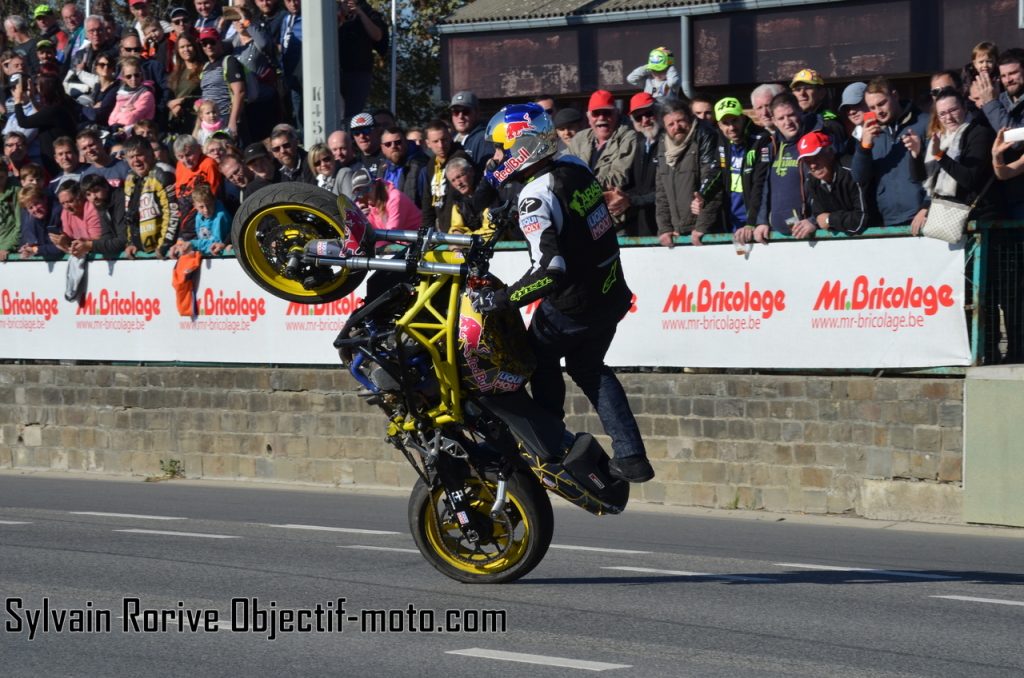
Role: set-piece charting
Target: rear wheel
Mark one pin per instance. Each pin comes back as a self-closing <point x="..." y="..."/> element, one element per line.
<point x="517" y="541"/>
<point x="270" y="231"/>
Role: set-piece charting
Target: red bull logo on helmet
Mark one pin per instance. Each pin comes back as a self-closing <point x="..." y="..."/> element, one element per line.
<point x="514" y="129"/>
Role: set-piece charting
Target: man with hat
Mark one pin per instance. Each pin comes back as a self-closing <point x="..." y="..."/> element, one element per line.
<point x="46" y="58"/>
<point x="258" y="161"/>
<point x="50" y="30"/>
<point x="607" y="147"/>
<point x="809" y="90"/>
<point x="658" y="77"/>
<point x="739" y="152"/>
<point x="366" y="134"/>
<point x="567" y="124"/>
<point x="852" y="109"/>
<point x="837" y="202"/>
<point x="636" y="200"/>
<point x="469" y="129"/>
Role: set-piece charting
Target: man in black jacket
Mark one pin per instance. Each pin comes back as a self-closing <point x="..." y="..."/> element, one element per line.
<point x="637" y="201"/>
<point x="403" y="169"/>
<point x="837" y="202"/>
<point x="739" y="156"/>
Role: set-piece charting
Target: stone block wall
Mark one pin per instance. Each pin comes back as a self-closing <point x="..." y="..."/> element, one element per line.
<point x="878" y="447"/>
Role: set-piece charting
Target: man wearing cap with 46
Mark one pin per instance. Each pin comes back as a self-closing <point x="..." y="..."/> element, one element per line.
<point x="49" y="29"/>
<point x="739" y="152"/>
<point x="837" y="202"/>
<point x="607" y="147"/>
<point x="658" y="77"/>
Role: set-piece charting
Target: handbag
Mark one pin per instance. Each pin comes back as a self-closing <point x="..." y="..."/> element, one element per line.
<point x="947" y="219"/>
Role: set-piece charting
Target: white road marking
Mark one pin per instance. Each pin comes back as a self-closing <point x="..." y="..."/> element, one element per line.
<point x="570" y="547"/>
<point x="183" y="534"/>
<point x="993" y="601"/>
<point x="321" y="528"/>
<point x="125" y="515"/>
<point x="378" y="548"/>
<point x="684" y="573"/>
<point x="868" y="570"/>
<point x="14" y="522"/>
<point x="562" y="662"/>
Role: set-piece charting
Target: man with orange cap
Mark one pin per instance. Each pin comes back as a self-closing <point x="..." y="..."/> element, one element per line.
<point x="607" y="147"/>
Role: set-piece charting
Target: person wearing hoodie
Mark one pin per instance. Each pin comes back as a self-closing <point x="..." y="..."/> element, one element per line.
<point x="882" y="158"/>
<point x="686" y="196"/>
<point x="783" y="208"/>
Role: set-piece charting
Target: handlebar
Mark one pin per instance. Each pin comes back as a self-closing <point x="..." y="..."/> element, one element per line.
<point x="394" y="265"/>
<point x="431" y="238"/>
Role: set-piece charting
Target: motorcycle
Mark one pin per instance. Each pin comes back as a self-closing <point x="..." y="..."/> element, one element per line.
<point x="449" y="380"/>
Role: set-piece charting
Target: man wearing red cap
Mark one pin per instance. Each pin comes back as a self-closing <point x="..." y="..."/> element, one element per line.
<point x="837" y="202"/>
<point x="607" y="148"/>
<point x="637" y="199"/>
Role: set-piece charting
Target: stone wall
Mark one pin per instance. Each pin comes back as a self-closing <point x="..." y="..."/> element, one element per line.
<point x="878" y="447"/>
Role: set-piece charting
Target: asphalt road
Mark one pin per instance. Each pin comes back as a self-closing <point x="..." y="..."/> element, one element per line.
<point x="667" y="593"/>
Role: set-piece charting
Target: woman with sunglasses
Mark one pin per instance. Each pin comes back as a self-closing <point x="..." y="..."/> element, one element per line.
<point x="104" y="92"/>
<point x="135" y="101"/>
<point x="184" y="82"/>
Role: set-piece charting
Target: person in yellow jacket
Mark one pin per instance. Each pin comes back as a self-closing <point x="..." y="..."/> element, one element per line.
<point x="151" y="209"/>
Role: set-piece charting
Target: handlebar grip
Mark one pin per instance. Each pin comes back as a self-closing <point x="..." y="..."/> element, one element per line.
<point x="436" y="237"/>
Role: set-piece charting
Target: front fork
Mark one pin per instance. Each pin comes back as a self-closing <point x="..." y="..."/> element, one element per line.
<point x="474" y="525"/>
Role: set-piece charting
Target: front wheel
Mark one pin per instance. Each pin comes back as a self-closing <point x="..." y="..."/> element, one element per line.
<point x="270" y="232"/>
<point x="518" y="538"/>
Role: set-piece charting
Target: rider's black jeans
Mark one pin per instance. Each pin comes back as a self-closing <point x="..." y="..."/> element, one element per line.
<point x="554" y="336"/>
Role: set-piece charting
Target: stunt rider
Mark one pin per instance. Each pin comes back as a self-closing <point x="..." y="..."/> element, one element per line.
<point x="575" y="270"/>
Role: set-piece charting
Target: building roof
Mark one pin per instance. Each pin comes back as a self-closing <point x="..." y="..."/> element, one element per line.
<point x="480" y="11"/>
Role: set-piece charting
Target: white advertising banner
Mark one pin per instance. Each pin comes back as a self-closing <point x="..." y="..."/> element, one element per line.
<point x="873" y="303"/>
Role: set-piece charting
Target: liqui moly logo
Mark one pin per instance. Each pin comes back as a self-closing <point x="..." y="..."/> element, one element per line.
<point x="710" y="298"/>
<point x="862" y="295"/>
<point x="111" y="303"/>
<point x="12" y="303"/>
<point x="217" y="303"/>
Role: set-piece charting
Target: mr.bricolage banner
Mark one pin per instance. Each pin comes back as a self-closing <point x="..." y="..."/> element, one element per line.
<point x="872" y="303"/>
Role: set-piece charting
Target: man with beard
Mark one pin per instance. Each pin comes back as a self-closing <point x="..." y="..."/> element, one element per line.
<point x="607" y="148"/>
<point x="783" y="208"/>
<point x="1007" y="111"/>
<point x="837" y="202"/>
<point x="686" y="167"/>
<point x="469" y="129"/>
<point x="761" y="102"/>
<point x="740" y="143"/>
<point x="91" y="148"/>
<point x="637" y="201"/>
<point x="284" y="144"/>
<point x="402" y="170"/>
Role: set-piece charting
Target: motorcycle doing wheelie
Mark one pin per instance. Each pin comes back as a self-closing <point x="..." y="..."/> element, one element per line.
<point x="449" y="379"/>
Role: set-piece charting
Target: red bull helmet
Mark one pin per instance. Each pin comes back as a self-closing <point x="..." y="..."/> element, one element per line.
<point x="527" y="135"/>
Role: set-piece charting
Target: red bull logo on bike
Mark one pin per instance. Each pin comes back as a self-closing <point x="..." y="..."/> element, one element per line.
<point x="355" y="222"/>
<point x="470" y="331"/>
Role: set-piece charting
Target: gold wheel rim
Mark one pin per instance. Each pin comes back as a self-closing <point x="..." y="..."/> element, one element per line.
<point x="508" y="541"/>
<point x="323" y="226"/>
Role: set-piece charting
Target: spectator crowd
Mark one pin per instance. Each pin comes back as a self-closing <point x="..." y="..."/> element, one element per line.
<point x="123" y="137"/>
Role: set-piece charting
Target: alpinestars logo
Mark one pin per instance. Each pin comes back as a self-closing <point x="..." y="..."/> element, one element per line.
<point x="15" y="304"/>
<point x="862" y="295"/>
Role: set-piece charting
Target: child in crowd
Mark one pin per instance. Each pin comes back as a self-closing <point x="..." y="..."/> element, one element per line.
<point x="208" y="121"/>
<point x="212" y="223"/>
<point x="31" y="175"/>
<point x="322" y="163"/>
<point x="658" y="77"/>
<point x="984" y="59"/>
